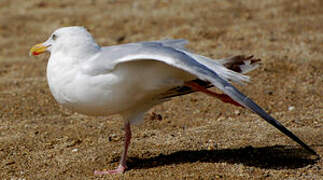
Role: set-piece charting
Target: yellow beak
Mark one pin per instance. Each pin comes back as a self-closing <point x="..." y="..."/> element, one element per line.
<point x="37" y="49"/>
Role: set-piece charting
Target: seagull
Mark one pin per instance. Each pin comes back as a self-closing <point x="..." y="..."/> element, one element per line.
<point x="129" y="79"/>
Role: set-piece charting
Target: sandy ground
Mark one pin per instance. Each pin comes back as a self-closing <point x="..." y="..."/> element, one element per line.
<point x="197" y="137"/>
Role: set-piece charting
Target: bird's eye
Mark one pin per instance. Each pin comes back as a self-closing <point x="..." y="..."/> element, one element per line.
<point x="54" y="37"/>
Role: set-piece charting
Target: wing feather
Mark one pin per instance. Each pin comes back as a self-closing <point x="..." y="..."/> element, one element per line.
<point x="200" y="66"/>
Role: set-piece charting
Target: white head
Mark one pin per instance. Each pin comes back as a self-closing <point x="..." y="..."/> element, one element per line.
<point x="71" y="41"/>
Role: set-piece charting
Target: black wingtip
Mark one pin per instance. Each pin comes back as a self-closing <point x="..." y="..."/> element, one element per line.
<point x="240" y="98"/>
<point x="311" y="151"/>
<point x="258" y="110"/>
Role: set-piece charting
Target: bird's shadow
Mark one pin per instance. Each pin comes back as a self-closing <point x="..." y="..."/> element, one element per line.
<point x="273" y="157"/>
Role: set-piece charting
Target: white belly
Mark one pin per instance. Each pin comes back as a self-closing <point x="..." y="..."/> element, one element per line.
<point x="129" y="85"/>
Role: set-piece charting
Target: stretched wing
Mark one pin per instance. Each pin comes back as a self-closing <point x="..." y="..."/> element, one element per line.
<point x="202" y="67"/>
<point x="240" y="64"/>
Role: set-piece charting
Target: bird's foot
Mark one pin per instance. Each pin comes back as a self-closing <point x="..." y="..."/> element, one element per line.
<point x="120" y="169"/>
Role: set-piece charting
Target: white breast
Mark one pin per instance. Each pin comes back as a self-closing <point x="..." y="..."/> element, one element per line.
<point x="128" y="86"/>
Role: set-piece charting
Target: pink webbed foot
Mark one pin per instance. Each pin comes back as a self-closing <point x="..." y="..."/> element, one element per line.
<point x="120" y="169"/>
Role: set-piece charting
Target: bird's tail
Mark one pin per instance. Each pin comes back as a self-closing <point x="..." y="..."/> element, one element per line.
<point x="232" y="68"/>
<point x="240" y="64"/>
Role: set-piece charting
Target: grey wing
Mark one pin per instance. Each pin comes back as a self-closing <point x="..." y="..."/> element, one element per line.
<point x="174" y="43"/>
<point x="197" y="65"/>
<point x="241" y="64"/>
<point x="171" y="52"/>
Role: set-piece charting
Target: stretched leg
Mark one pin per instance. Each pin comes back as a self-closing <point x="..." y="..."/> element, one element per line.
<point x="223" y="97"/>
<point x="122" y="165"/>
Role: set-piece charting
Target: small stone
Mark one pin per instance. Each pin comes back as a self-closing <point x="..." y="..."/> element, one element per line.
<point x="211" y="145"/>
<point x="269" y="92"/>
<point x="290" y="108"/>
<point x="221" y="118"/>
<point x="155" y="116"/>
<point x="113" y="137"/>
<point x="237" y="112"/>
<point x="218" y="176"/>
<point x="75" y="150"/>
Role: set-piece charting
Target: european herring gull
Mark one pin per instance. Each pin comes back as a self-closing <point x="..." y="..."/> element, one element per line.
<point x="129" y="79"/>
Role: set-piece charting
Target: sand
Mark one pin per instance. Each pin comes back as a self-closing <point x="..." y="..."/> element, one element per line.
<point x="189" y="137"/>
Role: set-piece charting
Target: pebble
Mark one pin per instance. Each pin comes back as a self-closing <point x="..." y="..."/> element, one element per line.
<point x="290" y="108"/>
<point x="211" y="145"/>
<point x="75" y="150"/>
<point x="237" y="112"/>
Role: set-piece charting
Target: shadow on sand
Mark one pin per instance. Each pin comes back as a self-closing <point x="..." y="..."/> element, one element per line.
<point x="273" y="157"/>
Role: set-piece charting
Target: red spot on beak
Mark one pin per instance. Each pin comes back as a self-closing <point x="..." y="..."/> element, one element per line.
<point x="35" y="53"/>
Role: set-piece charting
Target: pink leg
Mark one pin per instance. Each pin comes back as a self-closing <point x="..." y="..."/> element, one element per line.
<point x="223" y="97"/>
<point x="122" y="166"/>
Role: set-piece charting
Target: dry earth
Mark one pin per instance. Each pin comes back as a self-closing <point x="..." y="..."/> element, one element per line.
<point x="197" y="137"/>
